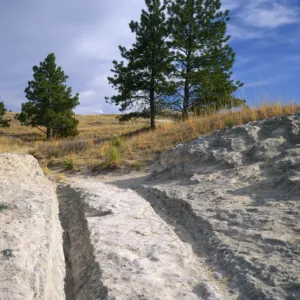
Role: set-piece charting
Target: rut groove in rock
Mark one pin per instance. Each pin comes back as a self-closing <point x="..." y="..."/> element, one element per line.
<point x="178" y="211"/>
<point x="83" y="274"/>
<point x="117" y="247"/>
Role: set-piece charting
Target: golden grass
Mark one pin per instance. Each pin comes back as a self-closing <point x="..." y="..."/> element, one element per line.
<point x="100" y="127"/>
<point x="12" y="145"/>
<point x="98" y="134"/>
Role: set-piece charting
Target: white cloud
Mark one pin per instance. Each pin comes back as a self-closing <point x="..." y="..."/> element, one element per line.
<point x="87" y="94"/>
<point x="268" y="81"/>
<point x="241" y="33"/>
<point x="257" y="19"/>
<point x="231" y="4"/>
<point x="269" y="14"/>
<point x="257" y="83"/>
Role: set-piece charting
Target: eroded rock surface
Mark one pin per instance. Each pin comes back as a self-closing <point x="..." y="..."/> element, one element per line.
<point x="119" y="248"/>
<point x="31" y="254"/>
<point x="237" y="193"/>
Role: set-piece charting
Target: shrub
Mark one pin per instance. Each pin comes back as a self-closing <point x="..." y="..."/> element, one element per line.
<point x="112" y="157"/>
<point x="117" y="142"/>
<point x="68" y="164"/>
<point x="50" y="149"/>
<point x="74" y="146"/>
<point x="3" y="207"/>
<point x="229" y="123"/>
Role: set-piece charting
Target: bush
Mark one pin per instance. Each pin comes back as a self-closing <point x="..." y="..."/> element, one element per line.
<point x="75" y="146"/>
<point x="68" y="164"/>
<point x="3" y="207"/>
<point x="63" y="148"/>
<point x="229" y="123"/>
<point x="117" y="142"/>
<point x="112" y="157"/>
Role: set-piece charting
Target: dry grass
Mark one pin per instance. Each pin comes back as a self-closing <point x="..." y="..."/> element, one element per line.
<point x="12" y="145"/>
<point x="62" y="148"/>
<point x="104" y="142"/>
<point x="98" y="127"/>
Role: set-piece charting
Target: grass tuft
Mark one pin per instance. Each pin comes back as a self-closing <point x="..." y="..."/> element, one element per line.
<point x="112" y="157"/>
<point x="68" y="164"/>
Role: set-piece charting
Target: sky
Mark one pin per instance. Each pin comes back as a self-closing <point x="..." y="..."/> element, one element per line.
<point x="84" y="35"/>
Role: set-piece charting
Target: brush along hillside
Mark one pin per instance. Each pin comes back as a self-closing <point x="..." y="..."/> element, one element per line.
<point x="103" y="142"/>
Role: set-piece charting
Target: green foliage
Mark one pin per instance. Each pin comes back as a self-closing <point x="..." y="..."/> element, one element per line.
<point x="3" y="207"/>
<point x="229" y="123"/>
<point x="50" y="103"/>
<point x="112" y="157"/>
<point x="117" y="142"/>
<point x="68" y="164"/>
<point x="142" y="82"/>
<point x="203" y="57"/>
<point x="3" y="122"/>
<point x="133" y="115"/>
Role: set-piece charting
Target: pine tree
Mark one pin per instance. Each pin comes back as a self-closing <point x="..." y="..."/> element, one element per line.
<point x="142" y="81"/>
<point x="3" y="122"/>
<point x="50" y="103"/>
<point x="214" y="92"/>
<point x="203" y="57"/>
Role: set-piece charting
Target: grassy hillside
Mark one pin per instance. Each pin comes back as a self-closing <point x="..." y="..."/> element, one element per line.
<point x="104" y="143"/>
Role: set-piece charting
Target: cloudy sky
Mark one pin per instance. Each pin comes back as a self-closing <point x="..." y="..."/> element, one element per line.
<point x="84" y="35"/>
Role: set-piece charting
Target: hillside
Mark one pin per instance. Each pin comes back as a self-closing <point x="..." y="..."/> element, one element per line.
<point x="103" y="144"/>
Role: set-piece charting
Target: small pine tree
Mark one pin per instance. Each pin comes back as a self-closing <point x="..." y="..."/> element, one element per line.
<point x="202" y="55"/>
<point x="50" y="103"/>
<point x="3" y="122"/>
<point x="142" y="82"/>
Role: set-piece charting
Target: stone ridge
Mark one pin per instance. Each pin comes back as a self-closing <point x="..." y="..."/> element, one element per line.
<point x="244" y="184"/>
<point x="31" y="255"/>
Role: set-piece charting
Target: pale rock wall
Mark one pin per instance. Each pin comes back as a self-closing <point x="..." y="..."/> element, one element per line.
<point x="31" y="254"/>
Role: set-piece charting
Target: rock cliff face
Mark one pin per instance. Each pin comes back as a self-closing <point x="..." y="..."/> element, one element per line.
<point x="237" y="192"/>
<point x="31" y="253"/>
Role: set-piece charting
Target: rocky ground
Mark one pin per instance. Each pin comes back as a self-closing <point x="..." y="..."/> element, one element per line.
<point x="218" y="218"/>
<point x="31" y="254"/>
<point x="237" y="193"/>
<point x="136" y="254"/>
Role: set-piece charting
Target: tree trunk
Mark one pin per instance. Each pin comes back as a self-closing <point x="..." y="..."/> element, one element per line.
<point x="186" y="99"/>
<point x="152" y="96"/>
<point x="48" y="133"/>
<point x="152" y="109"/>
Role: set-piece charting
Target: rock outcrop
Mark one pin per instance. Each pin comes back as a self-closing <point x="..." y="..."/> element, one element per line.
<point x="237" y="193"/>
<point x="31" y="254"/>
<point x="119" y="248"/>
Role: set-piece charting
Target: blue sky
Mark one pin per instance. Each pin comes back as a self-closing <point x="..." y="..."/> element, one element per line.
<point x="85" y="38"/>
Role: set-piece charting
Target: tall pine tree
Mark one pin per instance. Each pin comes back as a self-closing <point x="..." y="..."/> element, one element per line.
<point x="203" y="57"/>
<point x="50" y="102"/>
<point x="142" y="80"/>
<point x="3" y="122"/>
